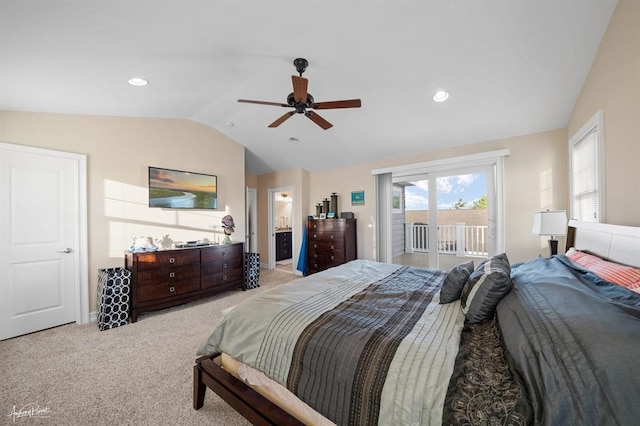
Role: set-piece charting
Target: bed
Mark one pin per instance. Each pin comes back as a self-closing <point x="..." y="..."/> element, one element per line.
<point x="542" y="342"/>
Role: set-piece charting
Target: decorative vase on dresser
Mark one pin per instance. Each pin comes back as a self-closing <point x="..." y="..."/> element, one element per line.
<point x="165" y="278"/>
<point x="331" y="242"/>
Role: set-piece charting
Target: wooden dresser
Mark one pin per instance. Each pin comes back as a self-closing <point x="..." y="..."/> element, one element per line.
<point x="167" y="278"/>
<point x="331" y="242"/>
<point x="283" y="245"/>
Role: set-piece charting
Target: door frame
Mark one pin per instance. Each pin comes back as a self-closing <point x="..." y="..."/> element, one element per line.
<point x="82" y="271"/>
<point x="271" y="193"/>
<point x="251" y="219"/>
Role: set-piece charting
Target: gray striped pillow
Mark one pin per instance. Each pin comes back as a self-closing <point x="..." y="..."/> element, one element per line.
<point x="485" y="288"/>
<point x="454" y="282"/>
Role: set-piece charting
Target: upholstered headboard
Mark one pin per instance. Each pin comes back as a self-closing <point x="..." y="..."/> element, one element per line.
<point x="617" y="243"/>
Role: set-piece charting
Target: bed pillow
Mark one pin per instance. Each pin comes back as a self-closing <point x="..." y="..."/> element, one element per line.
<point x="455" y="281"/>
<point x="486" y="286"/>
<point x="626" y="276"/>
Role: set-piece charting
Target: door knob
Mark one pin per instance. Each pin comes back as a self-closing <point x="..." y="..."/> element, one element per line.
<point x="67" y="250"/>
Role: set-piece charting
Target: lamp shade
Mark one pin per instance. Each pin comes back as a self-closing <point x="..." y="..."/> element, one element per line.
<point x="550" y="222"/>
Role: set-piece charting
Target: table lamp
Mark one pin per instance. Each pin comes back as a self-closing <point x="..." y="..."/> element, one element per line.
<point x="552" y="223"/>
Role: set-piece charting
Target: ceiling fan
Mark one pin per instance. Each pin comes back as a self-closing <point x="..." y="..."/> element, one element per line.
<point x="301" y="100"/>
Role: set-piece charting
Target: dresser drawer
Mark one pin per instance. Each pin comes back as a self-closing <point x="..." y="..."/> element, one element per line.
<point x="326" y="246"/>
<point x="158" y="290"/>
<point x="221" y="278"/>
<point x="327" y="225"/>
<point x="324" y="257"/>
<point x="322" y="264"/>
<point x="154" y="276"/>
<point x="222" y="266"/>
<point x="223" y="252"/>
<point x="172" y="258"/>
<point x="327" y="236"/>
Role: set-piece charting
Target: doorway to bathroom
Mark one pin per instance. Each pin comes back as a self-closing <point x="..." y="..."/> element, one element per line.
<point x="281" y="227"/>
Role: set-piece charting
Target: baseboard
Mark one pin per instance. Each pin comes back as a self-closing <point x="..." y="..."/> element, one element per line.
<point x="93" y="316"/>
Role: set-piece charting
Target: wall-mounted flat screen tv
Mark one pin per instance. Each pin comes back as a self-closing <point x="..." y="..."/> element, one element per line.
<point x="175" y="189"/>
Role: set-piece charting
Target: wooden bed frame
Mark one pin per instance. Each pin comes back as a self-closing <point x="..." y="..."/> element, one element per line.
<point x="616" y="243"/>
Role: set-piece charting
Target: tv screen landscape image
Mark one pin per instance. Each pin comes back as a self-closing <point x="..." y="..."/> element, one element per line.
<point x="176" y="189"/>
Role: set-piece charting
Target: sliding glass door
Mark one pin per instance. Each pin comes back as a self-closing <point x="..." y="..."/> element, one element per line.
<point x="441" y="213"/>
<point x="444" y="218"/>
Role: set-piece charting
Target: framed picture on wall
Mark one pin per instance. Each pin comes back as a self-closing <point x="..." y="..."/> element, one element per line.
<point x="357" y="198"/>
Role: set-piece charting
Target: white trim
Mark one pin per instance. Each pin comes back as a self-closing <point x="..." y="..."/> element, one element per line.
<point x="272" y="233"/>
<point x="445" y="163"/>
<point x="251" y="217"/>
<point x="82" y="274"/>
<point x="595" y="122"/>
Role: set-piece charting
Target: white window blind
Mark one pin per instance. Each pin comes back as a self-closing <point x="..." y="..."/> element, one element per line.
<point x="586" y="173"/>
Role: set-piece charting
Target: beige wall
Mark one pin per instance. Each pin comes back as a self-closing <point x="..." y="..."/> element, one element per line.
<point x="613" y="85"/>
<point x="118" y="151"/>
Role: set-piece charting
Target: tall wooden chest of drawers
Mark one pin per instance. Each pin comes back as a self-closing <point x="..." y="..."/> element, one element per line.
<point x="167" y="278"/>
<point x="331" y="242"/>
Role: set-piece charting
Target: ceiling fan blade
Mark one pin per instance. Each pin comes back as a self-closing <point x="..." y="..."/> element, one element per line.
<point x="350" y="103"/>
<point x="318" y="120"/>
<point x="300" y="85"/>
<point x="282" y="119"/>
<point x="247" y="101"/>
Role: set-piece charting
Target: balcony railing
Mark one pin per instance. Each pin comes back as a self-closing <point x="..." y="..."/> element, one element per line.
<point x="459" y="239"/>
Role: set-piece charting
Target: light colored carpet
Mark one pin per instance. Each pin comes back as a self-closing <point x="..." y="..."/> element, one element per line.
<point x="138" y="374"/>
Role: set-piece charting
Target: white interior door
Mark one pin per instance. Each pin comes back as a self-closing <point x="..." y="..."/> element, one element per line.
<point x="40" y="241"/>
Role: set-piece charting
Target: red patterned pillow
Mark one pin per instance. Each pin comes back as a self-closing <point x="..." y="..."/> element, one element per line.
<point x="626" y="276"/>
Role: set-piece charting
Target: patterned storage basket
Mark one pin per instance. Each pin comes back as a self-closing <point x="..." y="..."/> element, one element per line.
<point x="114" y="297"/>
<point x="251" y="270"/>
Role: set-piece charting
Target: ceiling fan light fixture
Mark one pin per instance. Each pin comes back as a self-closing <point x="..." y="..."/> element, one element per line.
<point x="138" y="81"/>
<point x="441" y="96"/>
<point x="303" y="102"/>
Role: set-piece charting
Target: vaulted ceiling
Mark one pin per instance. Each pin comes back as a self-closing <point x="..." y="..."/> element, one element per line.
<point x="512" y="67"/>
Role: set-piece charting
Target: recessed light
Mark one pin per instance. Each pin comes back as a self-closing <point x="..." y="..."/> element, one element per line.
<point x="293" y="140"/>
<point x="441" y="96"/>
<point x="137" y="81"/>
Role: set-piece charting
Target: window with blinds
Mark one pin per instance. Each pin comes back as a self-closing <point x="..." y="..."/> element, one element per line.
<point x="586" y="172"/>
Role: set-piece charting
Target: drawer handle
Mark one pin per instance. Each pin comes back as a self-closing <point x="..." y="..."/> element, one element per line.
<point x="224" y="278"/>
<point x="315" y="255"/>
<point x="224" y="253"/>
<point x="333" y="258"/>
<point x="332" y="247"/>
<point x="172" y="289"/>
<point x="172" y="274"/>
<point x="172" y="260"/>
<point x="224" y="265"/>
<point x="332" y="237"/>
